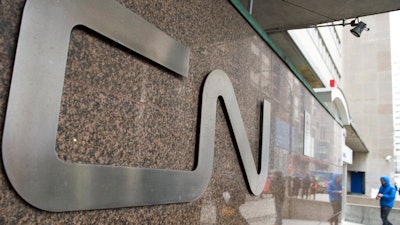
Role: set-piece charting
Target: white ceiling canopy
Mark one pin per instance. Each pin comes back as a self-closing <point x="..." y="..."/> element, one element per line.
<point x="293" y="14"/>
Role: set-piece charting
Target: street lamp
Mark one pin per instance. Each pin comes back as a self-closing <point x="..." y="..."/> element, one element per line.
<point x="359" y="26"/>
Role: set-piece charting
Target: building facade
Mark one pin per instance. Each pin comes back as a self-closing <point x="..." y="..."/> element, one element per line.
<point x="394" y="35"/>
<point x="368" y="88"/>
<point x="336" y="60"/>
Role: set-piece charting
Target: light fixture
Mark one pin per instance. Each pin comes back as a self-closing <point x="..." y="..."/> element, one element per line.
<point x="356" y="31"/>
<point x="359" y="26"/>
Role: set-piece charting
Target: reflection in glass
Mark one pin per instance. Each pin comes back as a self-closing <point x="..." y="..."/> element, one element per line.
<point x="334" y="190"/>
<point x="277" y="188"/>
<point x="208" y="213"/>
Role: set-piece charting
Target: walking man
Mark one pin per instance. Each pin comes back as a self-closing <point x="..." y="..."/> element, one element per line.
<point x="334" y="190"/>
<point x="386" y="196"/>
<point x="278" y="191"/>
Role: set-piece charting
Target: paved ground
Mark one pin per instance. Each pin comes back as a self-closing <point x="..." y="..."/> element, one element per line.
<point x="305" y="222"/>
<point x="262" y="212"/>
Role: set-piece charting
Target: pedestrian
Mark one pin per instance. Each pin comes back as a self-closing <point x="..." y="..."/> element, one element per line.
<point x="305" y="186"/>
<point x="386" y="196"/>
<point x="296" y="185"/>
<point x="277" y="188"/>
<point x="313" y="187"/>
<point x="334" y="190"/>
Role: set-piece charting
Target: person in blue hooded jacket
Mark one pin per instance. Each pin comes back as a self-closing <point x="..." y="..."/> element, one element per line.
<point x="386" y="197"/>
<point x="334" y="190"/>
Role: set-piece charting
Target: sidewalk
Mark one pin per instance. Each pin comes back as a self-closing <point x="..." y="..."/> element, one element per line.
<point x="307" y="222"/>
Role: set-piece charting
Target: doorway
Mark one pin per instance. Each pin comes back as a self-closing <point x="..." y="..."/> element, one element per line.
<point x="357" y="182"/>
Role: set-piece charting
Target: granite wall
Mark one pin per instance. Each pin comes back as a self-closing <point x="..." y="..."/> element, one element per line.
<point x="119" y="108"/>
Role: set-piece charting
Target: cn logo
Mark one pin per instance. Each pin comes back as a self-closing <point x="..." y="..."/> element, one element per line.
<point x="30" y="130"/>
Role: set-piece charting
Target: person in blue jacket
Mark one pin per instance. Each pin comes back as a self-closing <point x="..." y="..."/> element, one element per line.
<point x="386" y="197"/>
<point x="334" y="190"/>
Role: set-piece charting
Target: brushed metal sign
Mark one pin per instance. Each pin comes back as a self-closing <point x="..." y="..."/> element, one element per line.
<point x="30" y="130"/>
